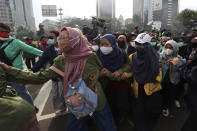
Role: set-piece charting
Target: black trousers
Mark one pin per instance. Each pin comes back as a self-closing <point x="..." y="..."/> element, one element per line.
<point x="29" y="62"/>
<point x="119" y="105"/>
<point x="190" y="124"/>
<point x="146" y="110"/>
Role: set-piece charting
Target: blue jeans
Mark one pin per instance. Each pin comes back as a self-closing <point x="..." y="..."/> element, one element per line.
<point x="22" y="92"/>
<point x="58" y="95"/>
<point x="103" y="120"/>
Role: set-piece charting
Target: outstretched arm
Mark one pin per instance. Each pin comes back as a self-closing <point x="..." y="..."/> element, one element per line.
<point x="27" y="77"/>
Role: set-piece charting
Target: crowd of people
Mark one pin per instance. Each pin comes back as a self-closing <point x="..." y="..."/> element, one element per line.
<point x="113" y="78"/>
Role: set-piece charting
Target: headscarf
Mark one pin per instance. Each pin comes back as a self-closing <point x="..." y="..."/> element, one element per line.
<point x="146" y="65"/>
<point x="114" y="60"/>
<point x="175" y="50"/>
<point x="174" y="75"/>
<point x="124" y="38"/>
<point x="76" y="58"/>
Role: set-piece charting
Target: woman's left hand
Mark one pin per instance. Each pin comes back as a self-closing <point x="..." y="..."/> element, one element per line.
<point x="4" y="66"/>
<point x="173" y="61"/>
<point x="123" y="76"/>
<point x="116" y="74"/>
<point x="104" y="72"/>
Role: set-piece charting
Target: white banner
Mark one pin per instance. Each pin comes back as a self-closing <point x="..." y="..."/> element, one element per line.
<point x="156" y="25"/>
<point x="49" y="11"/>
<point x="157" y="5"/>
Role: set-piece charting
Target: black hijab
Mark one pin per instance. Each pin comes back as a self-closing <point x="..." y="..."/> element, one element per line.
<point x="146" y="65"/>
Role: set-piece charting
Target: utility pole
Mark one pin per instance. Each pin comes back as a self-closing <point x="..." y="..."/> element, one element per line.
<point x="60" y="14"/>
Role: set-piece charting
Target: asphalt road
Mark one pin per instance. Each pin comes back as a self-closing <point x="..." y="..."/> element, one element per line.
<point x="48" y="121"/>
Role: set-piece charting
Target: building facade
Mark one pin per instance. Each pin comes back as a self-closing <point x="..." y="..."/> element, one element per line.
<point x="158" y="11"/>
<point x="105" y="8"/>
<point x="5" y="11"/>
<point x="50" y="25"/>
<point x="169" y="11"/>
<point x="138" y="8"/>
<point x="18" y="12"/>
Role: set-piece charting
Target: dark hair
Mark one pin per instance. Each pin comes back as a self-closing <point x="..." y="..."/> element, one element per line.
<point x="55" y="32"/>
<point x="194" y="30"/>
<point x="85" y="30"/>
<point x="97" y="40"/>
<point x="176" y="39"/>
<point x="42" y="37"/>
<point x="4" y="26"/>
<point x="29" y="38"/>
<point x="154" y="38"/>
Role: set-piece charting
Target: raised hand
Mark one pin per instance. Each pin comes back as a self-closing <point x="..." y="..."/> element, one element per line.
<point x="173" y="61"/>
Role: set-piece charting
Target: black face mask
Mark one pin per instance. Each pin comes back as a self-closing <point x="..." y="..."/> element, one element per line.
<point x="50" y="37"/>
<point x="140" y="49"/>
<point x="121" y="44"/>
<point x="194" y="45"/>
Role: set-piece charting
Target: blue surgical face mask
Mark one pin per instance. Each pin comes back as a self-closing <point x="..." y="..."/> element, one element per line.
<point x="51" y="41"/>
<point x="180" y="44"/>
<point x="153" y="43"/>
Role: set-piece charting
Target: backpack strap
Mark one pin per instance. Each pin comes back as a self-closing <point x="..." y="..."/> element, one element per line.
<point x="58" y="71"/>
<point x="16" y="56"/>
<point x="7" y="44"/>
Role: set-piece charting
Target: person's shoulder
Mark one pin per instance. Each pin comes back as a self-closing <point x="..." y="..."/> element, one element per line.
<point x="17" y="42"/>
<point x="59" y="62"/>
<point x="49" y="48"/>
<point x="59" y="58"/>
<point x="92" y="56"/>
<point x="94" y="61"/>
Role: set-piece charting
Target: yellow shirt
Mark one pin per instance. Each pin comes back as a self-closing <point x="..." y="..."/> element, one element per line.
<point x="149" y="88"/>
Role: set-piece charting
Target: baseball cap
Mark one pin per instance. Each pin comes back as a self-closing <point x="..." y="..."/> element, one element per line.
<point x="143" y="38"/>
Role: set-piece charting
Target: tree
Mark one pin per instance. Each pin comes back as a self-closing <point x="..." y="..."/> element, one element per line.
<point x="76" y="22"/>
<point x="137" y="21"/>
<point x="177" y="26"/>
<point x="185" y="20"/>
<point x="21" y="32"/>
<point x="130" y="27"/>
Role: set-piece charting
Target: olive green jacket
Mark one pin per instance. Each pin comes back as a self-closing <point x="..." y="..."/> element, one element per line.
<point x="14" y="111"/>
<point x="90" y="75"/>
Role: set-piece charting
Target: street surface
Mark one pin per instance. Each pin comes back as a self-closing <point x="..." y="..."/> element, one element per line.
<point x="48" y="121"/>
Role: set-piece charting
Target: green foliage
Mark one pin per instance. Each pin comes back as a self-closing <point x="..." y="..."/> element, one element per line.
<point x="76" y="22"/>
<point x="113" y="25"/>
<point x="185" y="20"/>
<point x="137" y="20"/>
<point x="21" y="32"/>
<point x="130" y="27"/>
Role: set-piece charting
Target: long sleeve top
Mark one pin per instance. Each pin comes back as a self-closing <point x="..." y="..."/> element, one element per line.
<point x="18" y="46"/>
<point x="189" y="74"/>
<point x="90" y="75"/>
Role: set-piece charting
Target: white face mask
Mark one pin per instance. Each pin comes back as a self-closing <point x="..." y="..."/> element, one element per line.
<point x="95" y="48"/>
<point x="168" y="52"/>
<point x="132" y="44"/>
<point x="106" y="50"/>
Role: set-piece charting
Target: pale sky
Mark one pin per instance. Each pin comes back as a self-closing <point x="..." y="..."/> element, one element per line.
<point x="87" y="8"/>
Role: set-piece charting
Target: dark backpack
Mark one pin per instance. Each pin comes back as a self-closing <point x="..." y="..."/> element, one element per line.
<point x="4" y="58"/>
